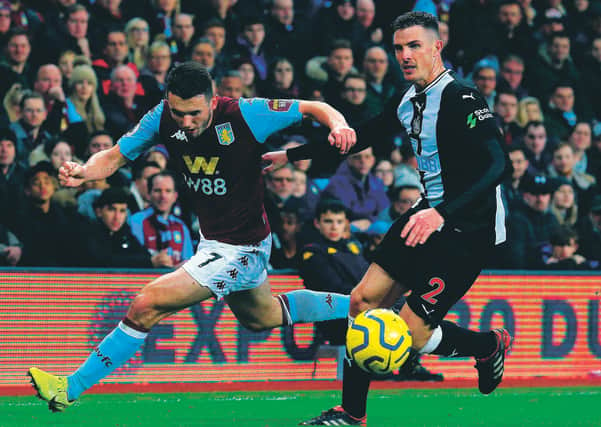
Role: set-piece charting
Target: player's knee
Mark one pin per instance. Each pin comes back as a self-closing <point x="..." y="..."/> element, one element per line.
<point x="142" y="311"/>
<point x="359" y="302"/>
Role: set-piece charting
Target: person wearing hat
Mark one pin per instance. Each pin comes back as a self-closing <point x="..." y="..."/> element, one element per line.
<point x="589" y="230"/>
<point x="109" y="242"/>
<point x="531" y="224"/>
<point x="564" y="202"/>
<point x="42" y="225"/>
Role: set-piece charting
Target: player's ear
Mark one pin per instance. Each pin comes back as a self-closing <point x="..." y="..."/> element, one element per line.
<point x="213" y="102"/>
<point x="438" y="45"/>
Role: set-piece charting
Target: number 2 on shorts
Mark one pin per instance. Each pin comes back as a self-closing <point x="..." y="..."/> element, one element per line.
<point x="439" y="285"/>
<point x="213" y="256"/>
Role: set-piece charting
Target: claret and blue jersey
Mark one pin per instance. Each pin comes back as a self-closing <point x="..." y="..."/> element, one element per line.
<point x="221" y="167"/>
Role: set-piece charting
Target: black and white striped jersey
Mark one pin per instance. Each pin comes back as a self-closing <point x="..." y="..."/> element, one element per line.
<point x="458" y="147"/>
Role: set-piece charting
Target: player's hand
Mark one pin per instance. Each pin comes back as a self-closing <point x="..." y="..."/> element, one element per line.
<point x="274" y="160"/>
<point x="343" y="138"/>
<point x="420" y="226"/>
<point x="70" y="174"/>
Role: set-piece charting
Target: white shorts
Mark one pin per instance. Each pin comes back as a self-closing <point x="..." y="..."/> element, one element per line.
<point x="225" y="268"/>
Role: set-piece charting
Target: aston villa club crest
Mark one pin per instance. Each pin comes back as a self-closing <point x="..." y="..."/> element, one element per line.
<point x="225" y="134"/>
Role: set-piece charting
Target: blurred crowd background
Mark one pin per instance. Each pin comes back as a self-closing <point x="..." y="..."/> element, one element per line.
<point x="76" y="75"/>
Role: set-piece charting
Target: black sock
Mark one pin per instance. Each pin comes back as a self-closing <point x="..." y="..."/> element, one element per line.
<point x="355" y="386"/>
<point x="461" y="342"/>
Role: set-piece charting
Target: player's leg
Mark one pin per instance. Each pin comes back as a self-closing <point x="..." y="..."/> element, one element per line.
<point x="157" y="300"/>
<point x="258" y="309"/>
<point x="453" y="262"/>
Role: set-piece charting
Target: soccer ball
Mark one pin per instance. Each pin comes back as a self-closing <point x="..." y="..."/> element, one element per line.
<point x="378" y="341"/>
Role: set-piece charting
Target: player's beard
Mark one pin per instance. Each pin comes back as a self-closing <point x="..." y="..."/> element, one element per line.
<point x="203" y="126"/>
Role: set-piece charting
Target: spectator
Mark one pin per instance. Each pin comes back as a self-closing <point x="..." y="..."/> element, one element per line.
<point x="331" y="262"/>
<point x="287" y="32"/>
<point x="82" y="104"/>
<point x="511" y="188"/>
<point x="281" y="82"/>
<point x="106" y="16"/>
<point x="401" y="200"/>
<point x="563" y="166"/>
<point x="355" y="185"/>
<point x="529" y="110"/>
<point x="28" y="129"/>
<point x="91" y="191"/>
<point x="180" y="44"/>
<point x="139" y="197"/>
<point x="564" y="244"/>
<point x="580" y="139"/>
<point x="590" y="77"/>
<point x="594" y="154"/>
<point x="337" y="22"/>
<point x="506" y="109"/>
<point x="122" y="107"/>
<point x="285" y="252"/>
<point x="16" y="68"/>
<point x="279" y="184"/>
<point x="330" y="71"/>
<point x="138" y="40"/>
<point x="538" y="150"/>
<point x="156" y="228"/>
<point x="249" y="78"/>
<point x="512" y="74"/>
<point x="5" y="21"/>
<point x="531" y="225"/>
<point x="153" y="77"/>
<point x="70" y="33"/>
<point x="161" y="17"/>
<point x="159" y="155"/>
<point x="109" y="241"/>
<point x="55" y="151"/>
<point x="11" y="248"/>
<point x="366" y="12"/>
<point x="352" y="99"/>
<point x="215" y="30"/>
<point x="514" y="36"/>
<point x="379" y="88"/>
<point x="250" y="44"/>
<point x="385" y="172"/>
<point x="99" y="141"/>
<point x="485" y="79"/>
<point x="299" y="188"/>
<point x="203" y="52"/>
<point x="230" y="85"/>
<point x="551" y="66"/>
<point x="589" y="229"/>
<point x="65" y="63"/>
<point x="114" y="54"/>
<point x="563" y="203"/>
<point x="561" y="116"/>
<point x="49" y="84"/>
<point x="12" y="177"/>
<point x="42" y="225"/>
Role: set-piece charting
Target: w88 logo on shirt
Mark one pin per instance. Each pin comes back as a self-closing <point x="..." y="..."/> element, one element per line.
<point x="208" y="186"/>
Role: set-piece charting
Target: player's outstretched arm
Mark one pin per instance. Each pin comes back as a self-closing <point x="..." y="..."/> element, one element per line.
<point x="341" y="136"/>
<point x="99" y="166"/>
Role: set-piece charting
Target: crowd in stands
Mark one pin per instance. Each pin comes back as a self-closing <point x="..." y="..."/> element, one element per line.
<point x="75" y="75"/>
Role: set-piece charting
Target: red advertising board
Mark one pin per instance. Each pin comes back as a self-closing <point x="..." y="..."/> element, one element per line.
<point x="53" y="319"/>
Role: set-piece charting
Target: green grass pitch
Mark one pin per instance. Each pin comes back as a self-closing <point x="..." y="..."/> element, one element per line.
<point x="574" y="406"/>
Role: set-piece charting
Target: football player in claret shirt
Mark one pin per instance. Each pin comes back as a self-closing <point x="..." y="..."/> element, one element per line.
<point x="215" y="145"/>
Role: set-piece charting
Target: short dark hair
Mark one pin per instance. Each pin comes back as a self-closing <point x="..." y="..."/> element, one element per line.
<point x="75" y="8"/>
<point x="6" y="134"/>
<point x="504" y="91"/>
<point x="339" y="44"/>
<point x="111" y="195"/>
<point x="535" y="124"/>
<point x="112" y="30"/>
<point x="188" y="80"/>
<point x="27" y="95"/>
<point x="563" y="83"/>
<point x="412" y="19"/>
<point x="394" y="192"/>
<point x="18" y="31"/>
<point x="353" y="75"/>
<point x="330" y="205"/>
<point x="562" y="236"/>
<point x="211" y="23"/>
<point x="164" y="174"/>
<point x="138" y="168"/>
<point x="100" y="132"/>
<point x="516" y="147"/>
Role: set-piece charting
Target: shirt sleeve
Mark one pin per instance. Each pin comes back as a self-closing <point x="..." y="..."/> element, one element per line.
<point x="267" y="116"/>
<point x="143" y="136"/>
<point x="483" y="139"/>
<point x="373" y="132"/>
<point x="187" y="251"/>
<point x="135" y="223"/>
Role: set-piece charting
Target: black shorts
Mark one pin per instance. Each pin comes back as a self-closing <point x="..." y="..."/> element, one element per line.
<point x="439" y="272"/>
